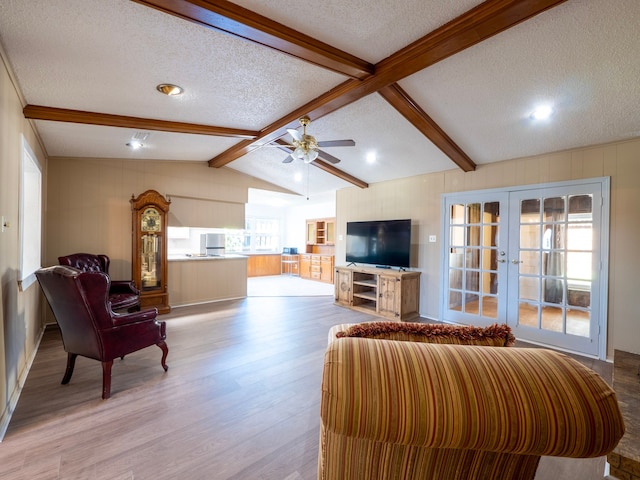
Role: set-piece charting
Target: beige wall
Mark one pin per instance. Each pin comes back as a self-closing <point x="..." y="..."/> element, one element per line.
<point x="419" y="198"/>
<point x="88" y="205"/>
<point x="20" y="312"/>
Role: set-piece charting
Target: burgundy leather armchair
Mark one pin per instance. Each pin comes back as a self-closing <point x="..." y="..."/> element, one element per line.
<point x="90" y="328"/>
<point x="123" y="294"/>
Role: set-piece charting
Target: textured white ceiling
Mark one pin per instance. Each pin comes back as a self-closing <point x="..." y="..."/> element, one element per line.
<point x="369" y="29"/>
<point x="581" y="57"/>
<point x="112" y="141"/>
<point x="108" y="56"/>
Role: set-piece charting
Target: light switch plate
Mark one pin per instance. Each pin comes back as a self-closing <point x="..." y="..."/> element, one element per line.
<point x="432" y="238"/>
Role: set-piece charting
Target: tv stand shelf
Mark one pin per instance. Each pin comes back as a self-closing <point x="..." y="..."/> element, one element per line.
<point x="366" y="295"/>
<point x="386" y="293"/>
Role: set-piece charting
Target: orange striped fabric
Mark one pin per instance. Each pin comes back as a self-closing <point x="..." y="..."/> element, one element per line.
<point x="404" y="410"/>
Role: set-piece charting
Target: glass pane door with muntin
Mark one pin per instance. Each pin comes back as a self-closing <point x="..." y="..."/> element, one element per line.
<point x="473" y="260"/>
<point x="553" y="257"/>
<point x="534" y="258"/>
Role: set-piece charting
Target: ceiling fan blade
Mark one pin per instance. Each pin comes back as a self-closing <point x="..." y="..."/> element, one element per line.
<point x="295" y="134"/>
<point x="329" y="158"/>
<point x="289" y="159"/>
<point x="337" y="143"/>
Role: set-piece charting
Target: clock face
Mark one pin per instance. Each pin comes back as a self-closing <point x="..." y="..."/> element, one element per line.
<point x="151" y="221"/>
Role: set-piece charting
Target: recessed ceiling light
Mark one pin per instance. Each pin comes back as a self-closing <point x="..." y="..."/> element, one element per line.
<point x="134" y="144"/>
<point x="542" y="112"/>
<point x="169" y="89"/>
<point x="371" y="157"/>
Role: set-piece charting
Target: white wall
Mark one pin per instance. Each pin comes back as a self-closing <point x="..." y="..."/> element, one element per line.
<point x="293" y="212"/>
<point x="296" y="218"/>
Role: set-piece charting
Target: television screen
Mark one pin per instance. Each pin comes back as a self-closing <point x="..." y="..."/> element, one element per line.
<point x="385" y="243"/>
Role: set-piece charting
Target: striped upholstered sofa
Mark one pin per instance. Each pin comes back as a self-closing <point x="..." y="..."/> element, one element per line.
<point x="403" y="410"/>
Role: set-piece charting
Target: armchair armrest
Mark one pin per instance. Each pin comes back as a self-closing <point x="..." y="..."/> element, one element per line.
<point x="121" y="319"/>
<point x="512" y="400"/>
<point x="123" y="286"/>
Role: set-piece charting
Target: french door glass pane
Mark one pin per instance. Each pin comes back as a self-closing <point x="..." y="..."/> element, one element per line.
<point x="578" y="322"/>
<point x="530" y="262"/>
<point x="455" y="279"/>
<point x="473" y="258"/>
<point x="457" y="214"/>
<point x="552" y="319"/>
<point x="529" y="236"/>
<point x="530" y="288"/>
<point x="528" y="314"/>
<point x="555" y="263"/>
<point x="538" y="269"/>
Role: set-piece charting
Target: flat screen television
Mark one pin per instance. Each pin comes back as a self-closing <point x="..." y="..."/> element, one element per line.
<point x="384" y="243"/>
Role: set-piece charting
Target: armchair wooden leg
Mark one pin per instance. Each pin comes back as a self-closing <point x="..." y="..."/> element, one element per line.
<point x="71" y="362"/>
<point x="165" y="352"/>
<point x="106" y="379"/>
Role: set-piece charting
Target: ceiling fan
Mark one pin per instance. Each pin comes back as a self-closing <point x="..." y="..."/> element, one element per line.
<point x="307" y="148"/>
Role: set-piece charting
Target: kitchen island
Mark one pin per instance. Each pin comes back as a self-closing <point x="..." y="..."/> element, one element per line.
<point x="200" y="279"/>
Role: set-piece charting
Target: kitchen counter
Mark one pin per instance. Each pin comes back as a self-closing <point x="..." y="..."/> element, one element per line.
<point x="193" y="280"/>
<point x="197" y="257"/>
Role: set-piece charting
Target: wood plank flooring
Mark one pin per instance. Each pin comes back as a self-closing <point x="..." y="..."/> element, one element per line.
<point x="240" y="401"/>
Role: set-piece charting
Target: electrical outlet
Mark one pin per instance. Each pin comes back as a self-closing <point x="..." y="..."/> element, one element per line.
<point x="432" y="239"/>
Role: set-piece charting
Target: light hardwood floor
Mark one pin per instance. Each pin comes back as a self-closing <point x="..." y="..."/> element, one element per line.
<point x="240" y="401"/>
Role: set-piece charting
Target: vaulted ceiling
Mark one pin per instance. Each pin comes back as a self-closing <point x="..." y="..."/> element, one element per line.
<point x="422" y="85"/>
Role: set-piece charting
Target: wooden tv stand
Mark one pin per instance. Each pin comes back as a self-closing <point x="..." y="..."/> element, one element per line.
<point x="384" y="292"/>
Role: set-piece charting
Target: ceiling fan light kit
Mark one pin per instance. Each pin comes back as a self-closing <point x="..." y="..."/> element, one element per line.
<point x="306" y="146"/>
<point x="304" y="154"/>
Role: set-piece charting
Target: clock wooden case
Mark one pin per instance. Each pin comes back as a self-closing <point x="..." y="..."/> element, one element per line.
<point x="150" y="211"/>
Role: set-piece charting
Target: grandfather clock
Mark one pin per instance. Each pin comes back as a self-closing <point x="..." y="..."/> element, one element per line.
<point x="150" y="212"/>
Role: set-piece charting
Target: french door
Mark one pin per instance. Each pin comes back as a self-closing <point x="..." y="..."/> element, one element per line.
<point x="534" y="258"/>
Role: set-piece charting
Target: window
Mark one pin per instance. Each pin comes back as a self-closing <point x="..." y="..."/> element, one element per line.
<point x="260" y="235"/>
<point x="30" y="217"/>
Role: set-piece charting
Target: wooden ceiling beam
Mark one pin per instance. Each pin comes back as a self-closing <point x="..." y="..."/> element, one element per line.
<point x="237" y="21"/>
<point x="470" y="28"/>
<point x="329" y="168"/>
<point x="404" y="104"/>
<point x="37" y="112"/>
